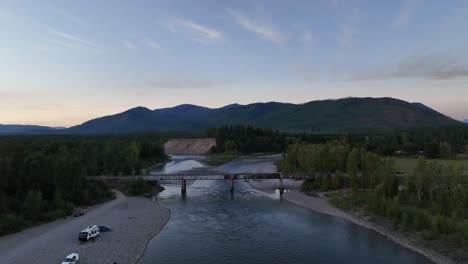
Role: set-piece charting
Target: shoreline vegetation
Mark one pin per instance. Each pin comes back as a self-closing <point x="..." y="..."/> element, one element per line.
<point x="321" y="204"/>
<point x="426" y="208"/>
<point x="43" y="178"/>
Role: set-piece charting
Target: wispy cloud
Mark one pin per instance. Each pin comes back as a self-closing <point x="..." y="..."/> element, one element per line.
<point x="200" y="33"/>
<point x="69" y="40"/>
<point x="309" y="41"/>
<point x="185" y="84"/>
<point x="70" y="16"/>
<point x="435" y="65"/>
<point x="335" y="2"/>
<point x="152" y="44"/>
<point x="406" y="12"/>
<point x="129" y="45"/>
<point x="261" y="26"/>
<point x="349" y="29"/>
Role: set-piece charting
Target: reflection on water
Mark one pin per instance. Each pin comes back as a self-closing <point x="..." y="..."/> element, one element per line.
<point x="213" y="225"/>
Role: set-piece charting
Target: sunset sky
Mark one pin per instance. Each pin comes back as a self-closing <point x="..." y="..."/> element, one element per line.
<point x="64" y="62"/>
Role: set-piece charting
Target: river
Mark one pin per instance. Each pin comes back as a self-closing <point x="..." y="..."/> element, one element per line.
<point x="211" y="225"/>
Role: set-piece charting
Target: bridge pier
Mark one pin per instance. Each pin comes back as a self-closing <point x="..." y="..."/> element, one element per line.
<point x="232" y="184"/>
<point x="184" y="186"/>
<point x="281" y="186"/>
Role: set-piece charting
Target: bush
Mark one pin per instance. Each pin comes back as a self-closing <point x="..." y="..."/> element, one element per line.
<point x="137" y="187"/>
<point x="311" y="184"/>
<point x="10" y="223"/>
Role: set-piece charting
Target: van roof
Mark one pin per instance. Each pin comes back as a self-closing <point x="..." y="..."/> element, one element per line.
<point x="89" y="228"/>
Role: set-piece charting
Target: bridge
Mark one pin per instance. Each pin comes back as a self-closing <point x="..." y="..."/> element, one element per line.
<point x="183" y="177"/>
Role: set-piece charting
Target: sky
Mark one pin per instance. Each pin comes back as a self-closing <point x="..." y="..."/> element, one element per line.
<point x="65" y="62"/>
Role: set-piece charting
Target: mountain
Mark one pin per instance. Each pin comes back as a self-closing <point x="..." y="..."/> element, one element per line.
<point x="26" y="129"/>
<point x="342" y="115"/>
<point x="425" y="107"/>
<point x="466" y="121"/>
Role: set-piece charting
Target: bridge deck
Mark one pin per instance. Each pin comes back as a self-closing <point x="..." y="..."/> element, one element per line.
<point x="206" y="176"/>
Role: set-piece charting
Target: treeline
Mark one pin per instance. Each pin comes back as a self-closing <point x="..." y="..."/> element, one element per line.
<point x="433" y="199"/>
<point x="336" y="165"/>
<point x="443" y="143"/>
<point x="44" y="177"/>
<point x="247" y="139"/>
<point x="432" y="143"/>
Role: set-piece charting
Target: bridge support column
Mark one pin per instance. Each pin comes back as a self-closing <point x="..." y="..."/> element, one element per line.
<point x="184" y="186"/>
<point x="232" y="184"/>
<point x="281" y="186"/>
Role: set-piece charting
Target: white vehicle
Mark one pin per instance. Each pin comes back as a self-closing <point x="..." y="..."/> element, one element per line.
<point x="90" y="232"/>
<point x="73" y="258"/>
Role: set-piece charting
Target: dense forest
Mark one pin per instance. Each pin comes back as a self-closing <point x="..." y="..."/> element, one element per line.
<point x="432" y="143"/>
<point x="44" y="177"/>
<point x="247" y="139"/>
<point x="432" y="200"/>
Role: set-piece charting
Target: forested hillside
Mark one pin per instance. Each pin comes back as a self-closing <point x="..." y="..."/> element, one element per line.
<point x="349" y="115"/>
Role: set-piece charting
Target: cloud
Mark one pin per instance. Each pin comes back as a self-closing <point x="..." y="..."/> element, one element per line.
<point x="309" y="40"/>
<point x="197" y="32"/>
<point x="152" y="44"/>
<point x="69" y="40"/>
<point x="435" y="65"/>
<point x="335" y="2"/>
<point x="406" y="12"/>
<point x="129" y="45"/>
<point x="349" y="30"/>
<point x="262" y="27"/>
<point x="185" y="84"/>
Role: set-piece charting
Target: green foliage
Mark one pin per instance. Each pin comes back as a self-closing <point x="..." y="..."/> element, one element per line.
<point x="445" y="150"/>
<point x="247" y="139"/>
<point x="217" y="159"/>
<point x="33" y="205"/>
<point x="432" y="199"/>
<point x="44" y="177"/>
<point x="137" y="186"/>
<point x="347" y="202"/>
<point x="11" y="223"/>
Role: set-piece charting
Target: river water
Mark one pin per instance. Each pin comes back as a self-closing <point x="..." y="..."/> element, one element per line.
<point x="211" y="225"/>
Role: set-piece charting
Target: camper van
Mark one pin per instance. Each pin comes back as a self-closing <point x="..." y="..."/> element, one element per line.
<point x="88" y="233"/>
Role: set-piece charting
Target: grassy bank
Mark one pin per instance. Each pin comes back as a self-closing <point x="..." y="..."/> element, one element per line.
<point x="407" y="165"/>
<point x="218" y="159"/>
<point x="446" y="235"/>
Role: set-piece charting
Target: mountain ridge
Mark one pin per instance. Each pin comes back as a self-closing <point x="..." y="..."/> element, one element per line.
<point x="344" y="115"/>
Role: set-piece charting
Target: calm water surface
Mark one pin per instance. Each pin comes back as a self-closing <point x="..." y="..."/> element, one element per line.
<point x="211" y="225"/>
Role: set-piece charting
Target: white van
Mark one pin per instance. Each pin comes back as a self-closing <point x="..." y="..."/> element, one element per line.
<point x="90" y="232"/>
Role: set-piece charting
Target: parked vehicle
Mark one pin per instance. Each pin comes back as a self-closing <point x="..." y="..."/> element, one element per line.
<point x="73" y="258"/>
<point x="77" y="214"/>
<point x="90" y="232"/>
<point x="104" y="228"/>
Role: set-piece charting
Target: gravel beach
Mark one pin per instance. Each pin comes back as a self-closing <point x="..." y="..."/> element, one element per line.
<point x="134" y="222"/>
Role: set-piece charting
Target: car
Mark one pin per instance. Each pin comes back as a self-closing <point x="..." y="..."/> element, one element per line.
<point x="104" y="228"/>
<point x="77" y="214"/>
<point x="91" y="232"/>
<point x="73" y="258"/>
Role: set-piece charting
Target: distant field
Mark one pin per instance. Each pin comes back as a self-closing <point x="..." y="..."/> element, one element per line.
<point x="408" y="164"/>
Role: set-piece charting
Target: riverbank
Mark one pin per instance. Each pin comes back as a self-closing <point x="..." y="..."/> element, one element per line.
<point x="134" y="220"/>
<point x="321" y="205"/>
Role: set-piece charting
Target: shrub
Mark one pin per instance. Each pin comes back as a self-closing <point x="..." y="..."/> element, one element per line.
<point x="10" y="223"/>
